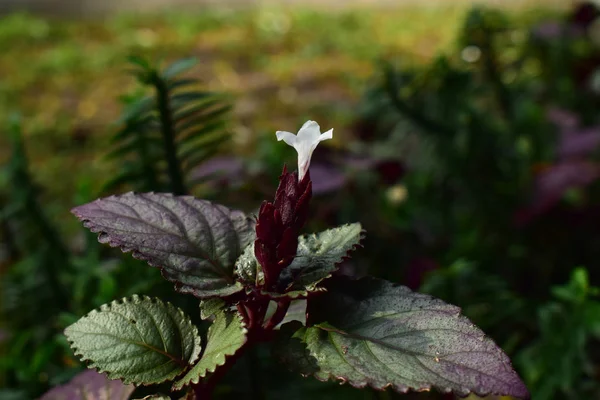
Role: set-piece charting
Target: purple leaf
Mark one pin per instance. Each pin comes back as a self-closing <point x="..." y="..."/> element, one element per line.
<point x="223" y="169"/>
<point x="326" y="178"/>
<point x="90" y="385"/>
<point x="194" y="242"/>
<point x="579" y="143"/>
<point x="375" y="333"/>
<point x="548" y="30"/>
<point x="575" y="142"/>
<point x="564" y="119"/>
<point x="552" y="184"/>
<point x="552" y="30"/>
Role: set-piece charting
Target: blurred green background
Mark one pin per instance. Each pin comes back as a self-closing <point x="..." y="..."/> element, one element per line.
<point x="465" y="141"/>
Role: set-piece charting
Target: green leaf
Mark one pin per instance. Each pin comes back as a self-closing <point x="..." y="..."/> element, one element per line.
<point x="183" y="113"/>
<point x="247" y="268"/>
<point x="195" y="242"/>
<point x="139" y="340"/>
<point x="157" y="396"/>
<point x="289" y="348"/>
<point x="226" y="336"/>
<point x="179" y="66"/>
<point x="211" y="307"/>
<point x="189" y="127"/>
<point x="372" y="332"/>
<point x="318" y="256"/>
<point x="179" y="83"/>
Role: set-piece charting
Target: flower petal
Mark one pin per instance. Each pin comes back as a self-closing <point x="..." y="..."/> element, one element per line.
<point x="309" y="132"/>
<point x="287" y="137"/>
<point x="326" y="135"/>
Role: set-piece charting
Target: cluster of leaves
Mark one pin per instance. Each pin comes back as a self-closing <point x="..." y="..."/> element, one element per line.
<point x="49" y="273"/>
<point x="164" y="135"/>
<point x="498" y="143"/>
<point x="553" y="364"/>
<point x="68" y="282"/>
<point x="366" y="332"/>
<point x="467" y="148"/>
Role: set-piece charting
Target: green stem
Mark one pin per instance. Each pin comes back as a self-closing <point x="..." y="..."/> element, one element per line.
<point x="150" y="175"/>
<point x="168" y="134"/>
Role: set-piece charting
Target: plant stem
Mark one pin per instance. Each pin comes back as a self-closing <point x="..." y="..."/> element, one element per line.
<point x="492" y="73"/>
<point x="253" y="313"/>
<point x="168" y="134"/>
<point x="254" y="373"/>
<point x="277" y="317"/>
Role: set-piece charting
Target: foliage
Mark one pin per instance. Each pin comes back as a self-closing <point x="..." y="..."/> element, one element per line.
<point x="499" y="146"/>
<point x="70" y="283"/>
<point x="356" y="330"/>
<point x="555" y="365"/>
<point x="475" y="175"/>
<point x="164" y="135"/>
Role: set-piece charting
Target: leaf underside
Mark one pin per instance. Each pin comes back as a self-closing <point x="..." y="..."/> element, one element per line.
<point x="226" y="336"/>
<point x="374" y="333"/>
<point x="139" y="340"/>
<point x="195" y="243"/>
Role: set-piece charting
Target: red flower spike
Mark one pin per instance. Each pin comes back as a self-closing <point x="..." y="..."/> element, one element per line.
<point x="279" y="224"/>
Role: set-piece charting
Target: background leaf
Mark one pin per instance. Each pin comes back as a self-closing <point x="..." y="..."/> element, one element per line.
<point x="194" y="242"/>
<point x="226" y="336"/>
<point x="90" y="385"/>
<point x="140" y="340"/>
<point x="372" y="332"/>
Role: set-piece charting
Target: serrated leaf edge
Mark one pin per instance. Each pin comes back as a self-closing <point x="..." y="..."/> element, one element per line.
<point x="195" y="380"/>
<point x="90" y="363"/>
<point x="178" y="285"/>
<point x="403" y="389"/>
<point x="313" y="287"/>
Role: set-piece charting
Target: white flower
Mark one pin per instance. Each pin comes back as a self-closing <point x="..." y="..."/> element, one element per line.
<point x="305" y="143"/>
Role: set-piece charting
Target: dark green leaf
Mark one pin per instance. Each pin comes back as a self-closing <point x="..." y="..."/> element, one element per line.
<point x="178" y="67"/>
<point x="247" y="268"/>
<point x="179" y="83"/>
<point x="184" y="98"/>
<point x="139" y="61"/>
<point x="210" y="128"/>
<point x="226" y="336"/>
<point x="196" y="243"/>
<point x="211" y="307"/>
<point x="197" y="121"/>
<point x="203" y="144"/>
<point x="183" y="113"/>
<point x="139" y="340"/>
<point x="318" y="256"/>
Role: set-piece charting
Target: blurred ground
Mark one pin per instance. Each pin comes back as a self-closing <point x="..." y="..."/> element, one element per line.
<point x="284" y="65"/>
<point x="90" y="7"/>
